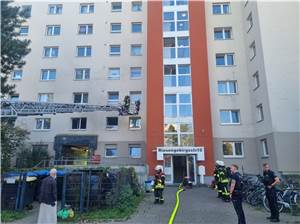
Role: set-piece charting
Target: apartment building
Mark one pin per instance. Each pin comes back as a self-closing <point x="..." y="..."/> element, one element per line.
<point x="86" y="53"/>
<point x="217" y="80"/>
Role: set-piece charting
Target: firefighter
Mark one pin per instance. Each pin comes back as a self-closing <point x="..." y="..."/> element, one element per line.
<point x="216" y="175"/>
<point x="159" y="184"/>
<point x="223" y="179"/>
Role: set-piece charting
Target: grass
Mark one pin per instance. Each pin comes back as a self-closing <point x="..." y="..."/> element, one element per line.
<point x="9" y="216"/>
<point x="107" y="214"/>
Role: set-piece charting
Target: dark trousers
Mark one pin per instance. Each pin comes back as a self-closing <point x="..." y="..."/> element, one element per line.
<point x="272" y="199"/>
<point x="158" y="194"/>
<point x="238" y="207"/>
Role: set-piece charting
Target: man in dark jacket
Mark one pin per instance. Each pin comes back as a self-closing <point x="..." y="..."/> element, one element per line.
<point x="270" y="181"/>
<point x="47" y="199"/>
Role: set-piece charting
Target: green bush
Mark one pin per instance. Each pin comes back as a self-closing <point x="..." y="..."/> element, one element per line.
<point x="125" y="198"/>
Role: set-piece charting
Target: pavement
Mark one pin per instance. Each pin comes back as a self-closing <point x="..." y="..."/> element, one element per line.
<point x="197" y="206"/>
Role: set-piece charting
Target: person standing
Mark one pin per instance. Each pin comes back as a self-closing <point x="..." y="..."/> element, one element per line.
<point x="270" y="180"/>
<point x="159" y="184"/>
<point x="236" y="194"/>
<point x="217" y="181"/>
<point x="47" y="199"/>
<point x="223" y="180"/>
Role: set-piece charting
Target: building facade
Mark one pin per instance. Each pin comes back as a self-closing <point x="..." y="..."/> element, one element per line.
<point x="217" y="81"/>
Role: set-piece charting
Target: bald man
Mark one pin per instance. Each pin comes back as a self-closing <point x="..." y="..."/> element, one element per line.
<point x="47" y="199"/>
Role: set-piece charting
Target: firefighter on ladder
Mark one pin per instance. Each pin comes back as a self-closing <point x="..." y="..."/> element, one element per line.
<point x="159" y="184"/>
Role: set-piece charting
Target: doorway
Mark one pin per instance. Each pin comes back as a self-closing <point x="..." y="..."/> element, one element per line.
<point x="179" y="168"/>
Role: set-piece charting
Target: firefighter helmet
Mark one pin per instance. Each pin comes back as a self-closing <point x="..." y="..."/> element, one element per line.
<point x="220" y="163"/>
<point x="159" y="167"/>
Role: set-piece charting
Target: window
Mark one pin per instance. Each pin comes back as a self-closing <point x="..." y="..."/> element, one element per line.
<point x="136" y="6"/>
<point x="14" y="97"/>
<point x="48" y="74"/>
<point x="182" y="21"/>
<point x="135" y="123"/>
<point x="43" y="124"/>
<point x="221" y="8"/>
<point x="135" y="96"/>
<point x="45" y="97"/>
<point x="170" y="78"/>
<point x="223" y="33"/>
<point x="255" y="81"/>
<point x="169" y="47"/>
<point x="135" y="72"/>
<point x="178" y="134"/>
<point x="50" y="52"/>
<point x="17" y="75"/>
<point x="227" y="87"/>
<point x="80" y="97"/>
<point x="55" y="9"/>
<point x="168" y="2"/>
<point x="79" y="123"/>
<point x="85" y="29"/>
<point x="136" y="27"/>
<point x="87" y="8"/>
<point x="114" y="50"/>
<point x="178" y="105"/>
<point x="53" y="30"/>
<point x="115" y="27"/>
<point x="169" y="24"/>
<point x="113" y="98"/>
<point x="250" y="22"/>
<point x="184" y="76"/>
<point x="260" y="113"/>
<point x="233" y="149"/>
<point x="225" y="59"/>
<point x="82" y="74"/>
<point x="24" y="30"/>
<point x="264" y="147"/>
<point x="181" y="2"/>
<point x="110" y="150"/>
<point x="26" y="10"/>
<point x="136" y="50"/>
<point x="252" y="50"/>
<point x="230" y="116"/>
<point x="135" y="151"/>
<point x="183" y="50"/>
<point x="84" y="51"/>
<point x="116" y="6"/>
<point x="112" y="123"/>
<point x="114" y="73"/>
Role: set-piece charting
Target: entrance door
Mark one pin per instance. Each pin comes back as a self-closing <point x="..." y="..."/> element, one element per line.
<point x="179" y="168"/>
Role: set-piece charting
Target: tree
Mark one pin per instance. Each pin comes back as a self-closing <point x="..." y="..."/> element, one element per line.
<point x="13" y="49"/>
<point x="12" y="139"/>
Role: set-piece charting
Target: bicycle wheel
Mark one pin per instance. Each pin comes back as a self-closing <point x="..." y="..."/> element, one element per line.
<point x="280" y="203"/>
<point x="296" y="199"/>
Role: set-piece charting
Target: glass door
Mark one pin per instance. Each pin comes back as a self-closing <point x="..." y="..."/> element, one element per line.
<point x="191" y="168"/>
<point x="168" y="168"/>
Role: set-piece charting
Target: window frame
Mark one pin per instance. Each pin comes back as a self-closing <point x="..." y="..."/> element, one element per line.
<point x="86" y="47"/>
<point x="116" y="10"/>
<point x="114" y="53"/>
<point x="234" y="155"/>
<point x="264" y="148"/>
<point x="140" y="5"/>
<point x="53" y="30"/>
<point x="139" y="24"/>
<point x="132" y="46"/>
<point x="225" y="55"/>
<point x="56" y="7"/>
<point x="115" y="31"/>
<point x="50" y="97"/>
<point x="227" y="82"/>
<point x="48" y="74"/>
<point x="221" y="4"/>
<point x="80" y="123"/>
<point x="135" y="146"/>
<point x="110" y="101"/>
<point x="112" y="127"/>
<point x="249" y="20"/>
<point x="83" y="95"/>
<point x="87" y="29"/>
<point x="110" y="146"/>
<point x="51" y="50"/>
<point x="223" y="29"/>
<point x="259" y="113"/>
<point x="13" y="77"/>
<point x="24" y="34"/>
<point x="43" y="124"/>
<point x="109" y="77"/>
<point x="88" y="8"/>
<point x="84" y="74"/>
<point x="136" y="68"/>
<point x="256" y="80"/>
<point x="252" y="50"/>
<point x="230" y="116"/>
<point x="138" y="120"/>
